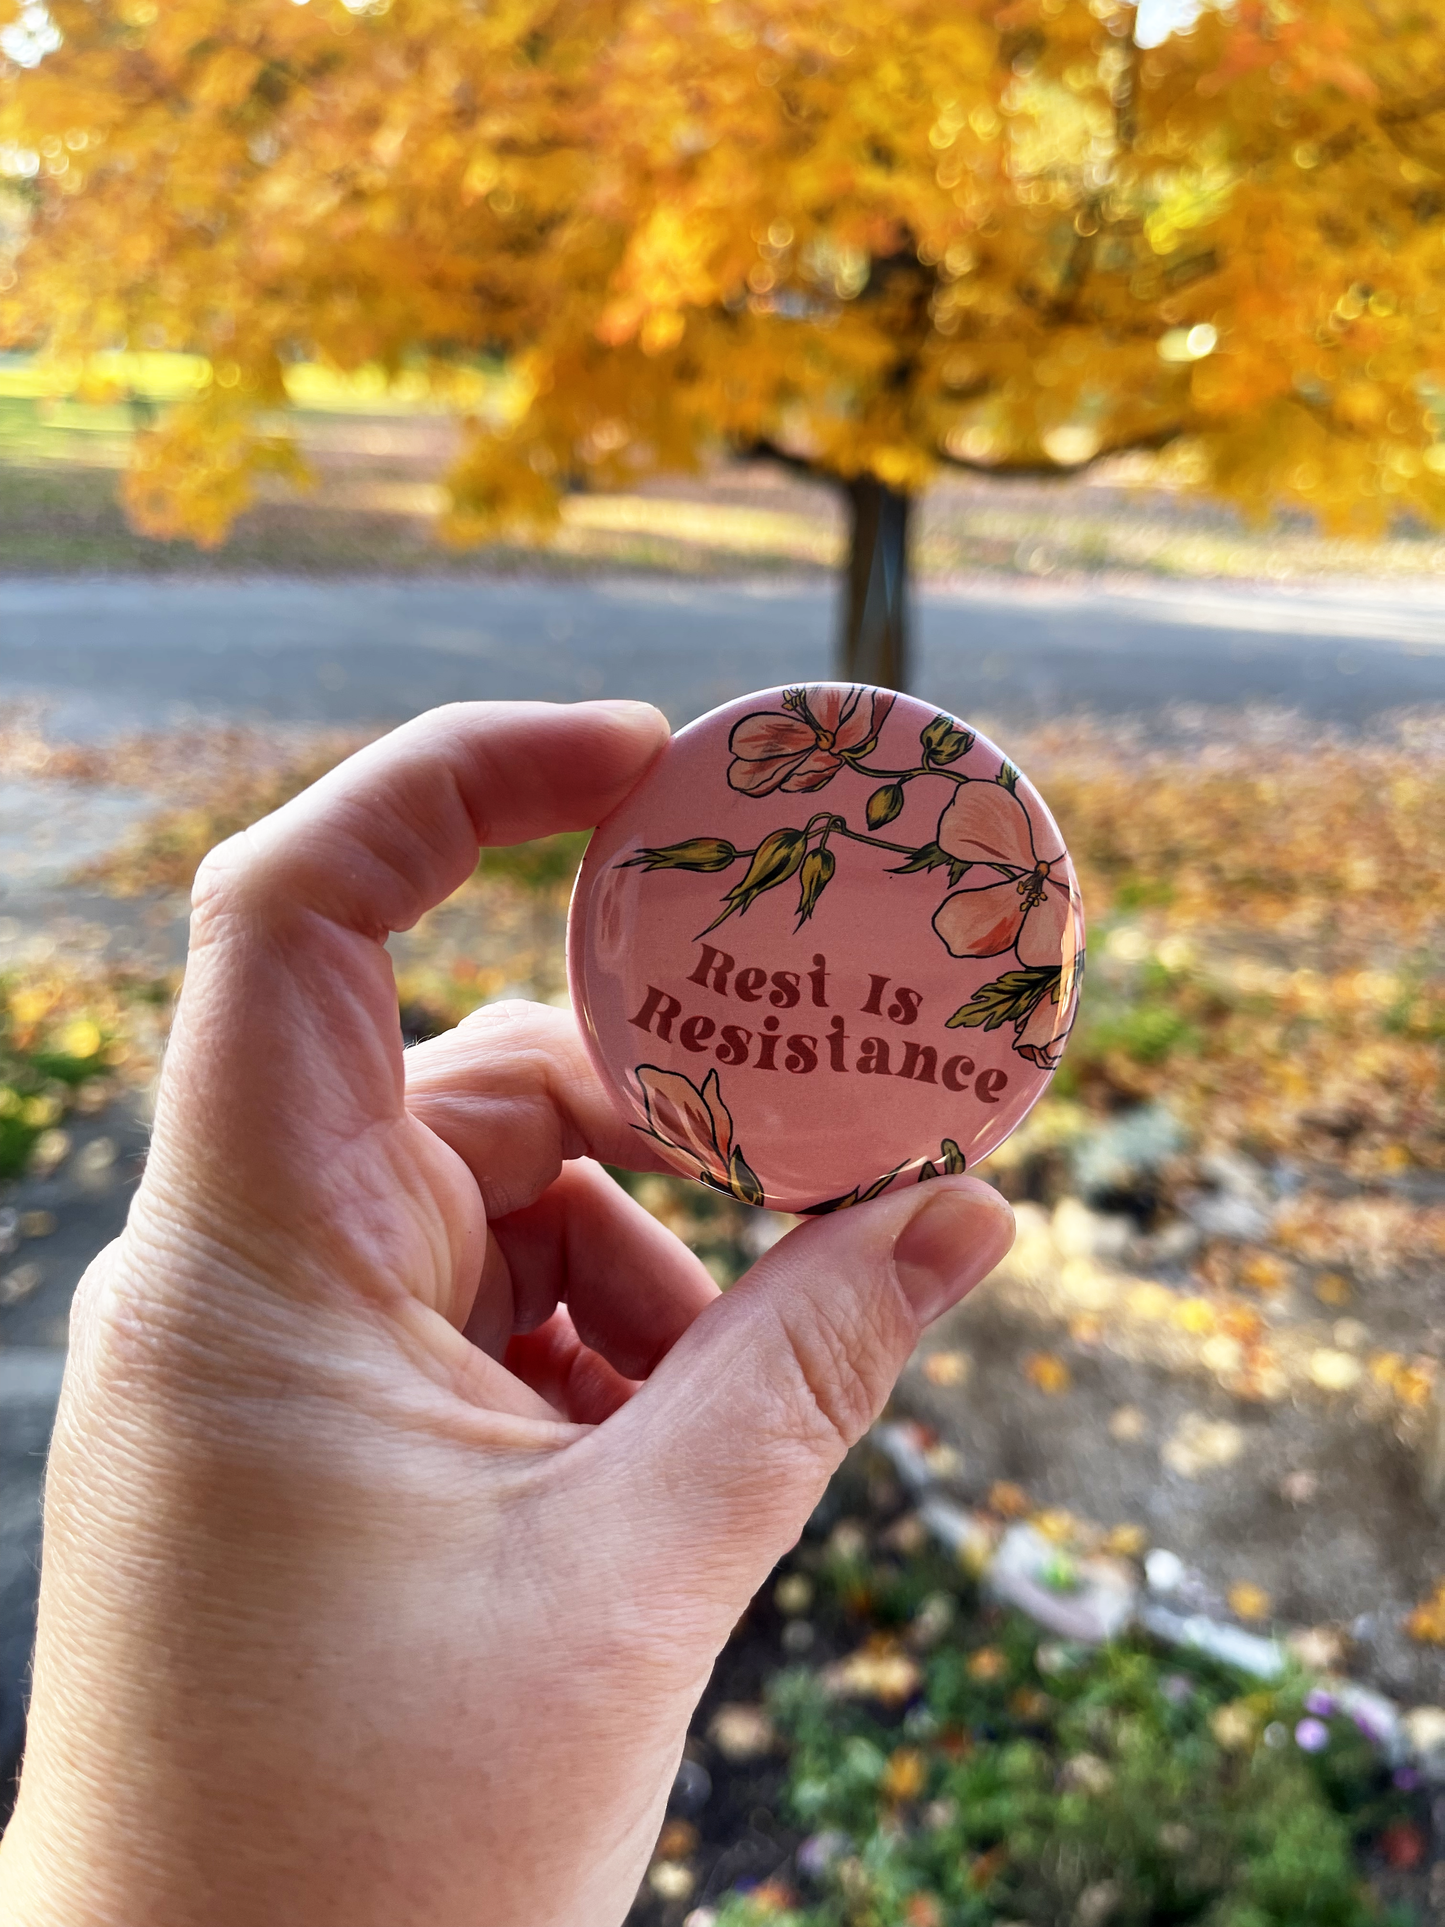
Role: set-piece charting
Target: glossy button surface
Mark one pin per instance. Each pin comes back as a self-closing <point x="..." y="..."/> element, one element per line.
<point x="830" y="944"/>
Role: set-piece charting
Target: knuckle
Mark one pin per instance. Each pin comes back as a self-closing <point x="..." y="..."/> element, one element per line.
<point x="221" y="877"/>
<point x="508" y="1016"/>
<point x="841" y="1380"/>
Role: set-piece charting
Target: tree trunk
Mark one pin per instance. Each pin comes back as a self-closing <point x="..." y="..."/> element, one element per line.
<point x="875" y="639"/>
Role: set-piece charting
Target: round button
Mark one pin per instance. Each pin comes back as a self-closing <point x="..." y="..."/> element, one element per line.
<point x="830" y="944"/>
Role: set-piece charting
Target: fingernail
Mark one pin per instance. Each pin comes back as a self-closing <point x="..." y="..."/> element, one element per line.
<point x="957" y="1236"/>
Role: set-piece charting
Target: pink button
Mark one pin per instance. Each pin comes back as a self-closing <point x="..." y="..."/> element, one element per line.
<point x="830" y="944"/>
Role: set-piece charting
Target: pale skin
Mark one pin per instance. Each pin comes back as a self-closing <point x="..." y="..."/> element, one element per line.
<point x="408" y="1477"/>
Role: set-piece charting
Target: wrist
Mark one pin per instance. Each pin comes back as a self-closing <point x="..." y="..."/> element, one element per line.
<point x="46" y="1884"/>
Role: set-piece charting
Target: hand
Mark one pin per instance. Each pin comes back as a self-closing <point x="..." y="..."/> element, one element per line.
<point x="408" y="1477"/>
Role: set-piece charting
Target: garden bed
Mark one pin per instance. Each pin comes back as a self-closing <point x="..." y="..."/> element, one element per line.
<point x="882" y="1747"/>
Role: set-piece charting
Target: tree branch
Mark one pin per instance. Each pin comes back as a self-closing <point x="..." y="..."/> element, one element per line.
<point x="1420" y="109"/>
<point x="766" y="451"/>
<point x="1022" y="471"/>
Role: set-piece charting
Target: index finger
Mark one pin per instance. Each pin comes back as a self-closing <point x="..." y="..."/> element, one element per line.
<point x="392" y="831"/>
<point x="286" y="1038"/>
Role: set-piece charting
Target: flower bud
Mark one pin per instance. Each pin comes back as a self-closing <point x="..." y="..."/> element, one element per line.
<point x="743" y="1182"/>
<point x="814" y="877"/>
<point x="884" y="805"/>
<point x="944" y="742"/>
<point x="950" y="1163"/>
<point x="698" y="853"/>
<point x="774" y="861"/>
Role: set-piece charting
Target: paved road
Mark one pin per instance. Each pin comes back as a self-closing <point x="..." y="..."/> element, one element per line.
<point x="29" y="1385"/>
<point x="124" y="653"/>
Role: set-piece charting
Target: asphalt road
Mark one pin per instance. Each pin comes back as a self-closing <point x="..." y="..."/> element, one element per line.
<point x="123" y="653"/>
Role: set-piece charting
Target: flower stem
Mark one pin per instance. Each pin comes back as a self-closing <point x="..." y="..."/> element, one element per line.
<point x="876" y="842"/>
<point x="906" y="775"/>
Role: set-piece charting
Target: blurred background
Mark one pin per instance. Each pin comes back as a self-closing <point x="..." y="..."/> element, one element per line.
<point x="1078" y="366"/>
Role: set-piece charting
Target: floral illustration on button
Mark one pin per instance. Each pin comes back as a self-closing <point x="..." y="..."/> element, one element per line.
<point x="694" y="1120"/>
<point x="805" y="744"/>
<point x="1009" y="892"/>
<point x="950" y="1164"/>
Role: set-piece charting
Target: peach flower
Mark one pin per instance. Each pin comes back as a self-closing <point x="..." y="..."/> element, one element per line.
<point x="1044" y="1032"/>
<point x="1030" y="909"/>
<point x="697" y="1123"/>
<point x="805" y="744"/>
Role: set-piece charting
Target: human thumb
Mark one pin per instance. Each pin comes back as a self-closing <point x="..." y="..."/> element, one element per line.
<point x="727" y="1448"/>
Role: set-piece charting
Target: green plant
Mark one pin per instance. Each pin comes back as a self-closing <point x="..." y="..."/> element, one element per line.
<point x="1029" y="1781"/>
<point x="39" y="1069"/>
<point x="546" y="866"/>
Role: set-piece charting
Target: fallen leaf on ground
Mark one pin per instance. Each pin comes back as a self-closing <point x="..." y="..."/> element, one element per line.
<point x="947" y="1368"/>
<point x="773" y="1897"/>
<point x="20" y="1283"/>
<point x="1087" y="1773"/>
<point x="1126" y="1541"/>
<point x="1195" y="1315"/>
<point x="676" y="1841"/>
<point x="1249" y="1601"/>
<point x="1403" y="1844"/>
<point x="1028" y="1703"/>
<point x="1048" y="1372"/>
<point x="1320" y="1648"/>
<point x="1334" y="1371"/>
<point x="793" y="1593"/>
<point x="1127" y="1423"/>
<point x="1150" y="1301"/>
<point x="1221" y="1353"/>
<point x="985" y="1868"/>
<point x="1332" y="1288"/>
<point x="1234" y="1726"/>
<point x="904" y="1775"/>
<point x="670" y="1881"/>
<point x="1262" y="1271"/>
<point x="742" y="1732"/>
<point x="1199" y="1445"/>
<point x="878" y="1671"/>
<point x="1058" y="1526"/>
<point x="1427" y="1622"/>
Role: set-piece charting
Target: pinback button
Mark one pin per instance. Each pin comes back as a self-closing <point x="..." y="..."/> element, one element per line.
<point x="830" y="944"/>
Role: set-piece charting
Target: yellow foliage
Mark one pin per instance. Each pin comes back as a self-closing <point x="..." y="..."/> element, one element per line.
<point x="876" y="238"/>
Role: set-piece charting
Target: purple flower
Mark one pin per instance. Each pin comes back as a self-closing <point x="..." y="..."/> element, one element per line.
<point x="1319" y="1703"/>
<point x="820" y="1851"/>
<point x="1312" y="1735"/>
<point x="1406" y="1779"/>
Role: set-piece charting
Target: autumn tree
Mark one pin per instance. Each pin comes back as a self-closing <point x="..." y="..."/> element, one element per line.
<point x="872" y="240"/>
